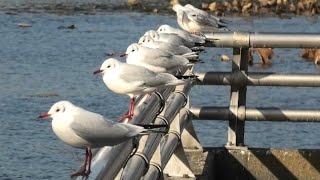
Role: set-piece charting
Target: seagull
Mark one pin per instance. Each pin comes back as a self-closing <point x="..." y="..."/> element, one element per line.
<point x="170" y="38"/>
<point x="195" y="20"/>
<point x="156" y="60"/>
<point x="184" y="34"/>
<point x="83" y="129"/>
<point x="147" y="41"/>
<point x="133" y="80"/>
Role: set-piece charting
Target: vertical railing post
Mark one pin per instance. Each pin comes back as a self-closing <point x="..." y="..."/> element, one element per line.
<point x="237" y="98"/>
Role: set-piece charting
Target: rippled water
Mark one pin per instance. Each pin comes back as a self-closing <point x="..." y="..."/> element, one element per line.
<point x="43" y="64"/>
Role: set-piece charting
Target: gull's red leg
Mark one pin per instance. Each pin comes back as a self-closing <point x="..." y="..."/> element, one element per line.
<point x="130" y="111"/>
<point x="83" y="171"/>
<point x="88" y="171"/>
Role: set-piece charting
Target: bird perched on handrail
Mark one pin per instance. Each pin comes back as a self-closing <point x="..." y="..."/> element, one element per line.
<point x="196" y="21"/>
<point x="157" y="60"/>
<point x="83" y="129"/>
<point x="133" y="80"/>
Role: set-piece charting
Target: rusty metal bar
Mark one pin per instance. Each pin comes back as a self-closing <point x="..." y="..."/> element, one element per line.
<point x="256" y="114"/>
<point x="259" y="79"/>
<point x="264" y="40"/>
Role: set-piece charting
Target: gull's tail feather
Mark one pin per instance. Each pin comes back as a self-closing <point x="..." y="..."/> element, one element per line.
<point x="198" y="48"/>
<point x="192" y="56"/>
<point x="186" y="76"/>
<point x="151" y="126"/>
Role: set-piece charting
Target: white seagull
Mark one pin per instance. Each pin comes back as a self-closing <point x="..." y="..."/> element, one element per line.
<point x="149" y="42"/>
<point x="133" y="80"/>
<point x="186" y="52"/>
<point x="170" y="38"/>
<point x="200" y="40"/>
<point x="83" y="129"/>
<point x="156" y="60"/>
<point x="195" y="20"/>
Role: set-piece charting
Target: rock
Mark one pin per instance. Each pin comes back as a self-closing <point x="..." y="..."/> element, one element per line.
<point x="133" y="2"/>
<point x="24" y="25"/>
<point x="204" y="5"/>
<point x="213" y="7"/>
<point x="224" y="57"/>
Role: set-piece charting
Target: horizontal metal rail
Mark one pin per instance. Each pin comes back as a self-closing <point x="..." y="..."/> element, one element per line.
<point x="259" y="79"/>
<point x="256" y="114"/>
<point x="263" y="40"/>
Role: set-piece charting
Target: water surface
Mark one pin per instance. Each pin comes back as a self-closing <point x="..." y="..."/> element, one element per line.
<point x="46" y="63"/>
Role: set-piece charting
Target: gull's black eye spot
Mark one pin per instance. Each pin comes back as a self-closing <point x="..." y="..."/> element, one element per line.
<point x="109" y="66"/>
<point x="132" y="50"/>
<point x="57" y="110"/>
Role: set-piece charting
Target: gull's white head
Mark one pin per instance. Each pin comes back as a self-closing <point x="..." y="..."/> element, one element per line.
<point x="164" y="28"/>
<point x="107" y="65"/>
<point x="132" y="49"/>
<point x="58" y="109"/>
<point x="145" y="39"/>
<point x="153" y="34"/>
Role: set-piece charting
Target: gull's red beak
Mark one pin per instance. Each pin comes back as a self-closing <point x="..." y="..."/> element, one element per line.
<point x="44" y="115"/>
<point x="98" y="71"/>
<point x="123" y="55"/>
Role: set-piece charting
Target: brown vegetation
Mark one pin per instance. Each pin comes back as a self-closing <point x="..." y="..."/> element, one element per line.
<point x="311" y="55"/>
<point x="265" y="55"/>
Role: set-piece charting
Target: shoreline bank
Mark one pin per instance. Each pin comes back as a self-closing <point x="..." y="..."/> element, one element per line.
<point x="218" y="8"/>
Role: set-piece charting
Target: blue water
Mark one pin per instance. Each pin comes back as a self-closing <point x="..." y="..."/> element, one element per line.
<point x="44" y="64"/>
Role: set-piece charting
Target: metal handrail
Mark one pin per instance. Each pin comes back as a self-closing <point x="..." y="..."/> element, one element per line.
<point x="259" y="79"/>
<point x="263" y="40"/>
<point x="137" y="166"/>
<point x="256" y="114"/>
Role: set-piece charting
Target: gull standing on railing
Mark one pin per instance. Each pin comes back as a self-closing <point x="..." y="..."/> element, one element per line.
<point x="199" y="40"/>
<point x="196" y="21"/>
<point x="156" y="60"/>
<point x="174" y="49"/>
<point x="133" y="80"/>
<point x="83" y="129"/>
<point x="171" y="38"/>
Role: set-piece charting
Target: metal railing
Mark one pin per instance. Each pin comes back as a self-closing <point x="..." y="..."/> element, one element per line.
<point x="155" y="150"/>
<point x="237" y="113"/>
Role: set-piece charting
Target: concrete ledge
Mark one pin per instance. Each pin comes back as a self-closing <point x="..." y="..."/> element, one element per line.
<point x="254" y="163"/>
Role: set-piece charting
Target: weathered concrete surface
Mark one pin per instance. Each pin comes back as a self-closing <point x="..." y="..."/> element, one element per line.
<point x="254" y="163"/>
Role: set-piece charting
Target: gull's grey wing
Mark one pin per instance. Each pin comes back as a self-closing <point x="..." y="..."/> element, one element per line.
<point x="162" y="58"/>
<point x="218" y="20"/>
<point x="146" y="77"/>
<point x="135" y="74"/>
<point x="202" y="20"/>
<point x="100" y="132"/>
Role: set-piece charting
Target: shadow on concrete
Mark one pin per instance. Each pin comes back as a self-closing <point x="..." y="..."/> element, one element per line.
<point x="225" y="166"/>
<point x="260" y="163"/>
<point x="312" y="156"/>
<point x="273" y="164"/>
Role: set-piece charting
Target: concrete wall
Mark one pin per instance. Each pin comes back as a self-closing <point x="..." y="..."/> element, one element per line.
<point x="255" y="163"/>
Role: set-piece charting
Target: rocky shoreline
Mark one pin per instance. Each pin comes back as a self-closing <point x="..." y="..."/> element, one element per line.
<point x="219" y="8"/>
